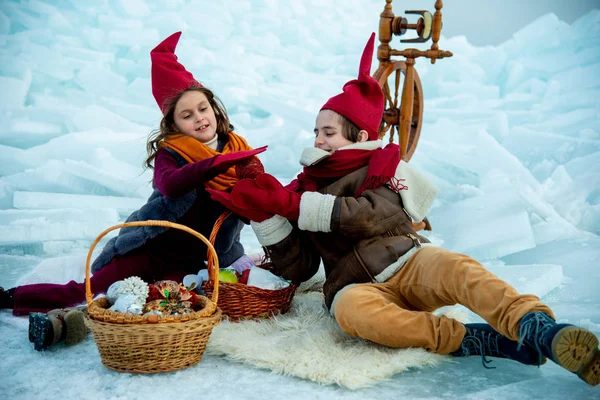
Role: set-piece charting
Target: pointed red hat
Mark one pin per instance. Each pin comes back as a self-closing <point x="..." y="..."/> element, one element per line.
<point x="362" y="99"/>
<point x="169" y="77"/>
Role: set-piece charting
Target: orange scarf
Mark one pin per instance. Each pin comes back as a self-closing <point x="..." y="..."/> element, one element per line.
<point x="192" y="150"/>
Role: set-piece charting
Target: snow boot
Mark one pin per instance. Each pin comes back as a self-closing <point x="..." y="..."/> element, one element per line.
<point x="56" y="326"/>
<point x="573" y="348"/>
<point x="482" y="340"/>
<point x="7" y="299"/>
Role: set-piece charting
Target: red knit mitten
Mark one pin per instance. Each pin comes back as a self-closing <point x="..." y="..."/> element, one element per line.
<point x="249" y="168"/>
<point x="265" y="194"/>
<point x="226" y="199"/>
<point x="223" y="162"/>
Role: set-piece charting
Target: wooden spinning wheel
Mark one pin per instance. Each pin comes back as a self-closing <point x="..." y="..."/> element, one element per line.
<point x="390" y="77"/>
<point x="404" y="114"/>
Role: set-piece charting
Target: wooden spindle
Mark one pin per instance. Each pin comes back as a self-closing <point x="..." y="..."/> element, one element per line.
<point x="437" y="26"/>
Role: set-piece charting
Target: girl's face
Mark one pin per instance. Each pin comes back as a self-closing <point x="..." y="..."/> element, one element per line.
<point x="328" y="132"/>
<point x="195" y="117"/>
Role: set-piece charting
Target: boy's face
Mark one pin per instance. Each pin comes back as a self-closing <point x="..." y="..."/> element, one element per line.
<point x="328" y="132"/>
<point x="195" y="117"/>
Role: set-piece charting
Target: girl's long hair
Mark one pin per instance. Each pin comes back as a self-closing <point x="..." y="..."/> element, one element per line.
<point x="167" y="124"/>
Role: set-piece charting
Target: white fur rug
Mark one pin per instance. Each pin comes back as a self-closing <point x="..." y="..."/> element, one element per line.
<point x="307" y="343"/>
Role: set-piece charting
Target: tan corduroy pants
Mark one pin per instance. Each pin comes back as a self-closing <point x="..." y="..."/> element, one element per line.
<point x="398" y="312"/>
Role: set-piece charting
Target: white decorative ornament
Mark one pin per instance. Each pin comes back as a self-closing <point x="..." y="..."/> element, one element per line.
<point x="128" y="295"/>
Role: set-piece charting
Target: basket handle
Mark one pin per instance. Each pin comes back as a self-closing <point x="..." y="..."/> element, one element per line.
<point x="212" y="254"/>
<point x="213" y="237"/>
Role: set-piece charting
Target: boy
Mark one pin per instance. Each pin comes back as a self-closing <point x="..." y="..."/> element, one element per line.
<point x="353" y="207"/>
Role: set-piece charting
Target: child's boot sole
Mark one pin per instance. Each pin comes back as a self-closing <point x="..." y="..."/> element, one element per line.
<point x="576" y="350"/>
<point x="40" y="328"/>
<point x="76" y="329"/>
<point x="590" y="371"/>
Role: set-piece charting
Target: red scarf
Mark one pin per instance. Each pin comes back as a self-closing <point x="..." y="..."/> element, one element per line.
<point x="382" y="168"/>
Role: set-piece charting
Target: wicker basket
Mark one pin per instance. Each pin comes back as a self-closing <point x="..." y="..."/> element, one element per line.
<point x="136" y="343"/>
<point x="239" y="301"/>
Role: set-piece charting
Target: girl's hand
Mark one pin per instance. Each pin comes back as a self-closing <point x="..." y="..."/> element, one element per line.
<point x="223" y="162"/>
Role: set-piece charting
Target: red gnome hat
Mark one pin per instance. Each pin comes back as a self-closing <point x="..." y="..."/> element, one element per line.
<point x="169" y="77"/>
<point x="362" y="99"/>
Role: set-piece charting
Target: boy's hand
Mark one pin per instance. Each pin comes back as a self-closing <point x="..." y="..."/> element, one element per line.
<point x="267" y="195"/>
<point x="225" y="199"/>
<point x="223" y="162"/>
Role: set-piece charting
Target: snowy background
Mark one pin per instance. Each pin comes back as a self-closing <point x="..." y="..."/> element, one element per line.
<point x="511" y="136"/>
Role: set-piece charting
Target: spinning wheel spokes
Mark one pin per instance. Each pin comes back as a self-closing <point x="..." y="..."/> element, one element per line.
<point x="391" y="116"/>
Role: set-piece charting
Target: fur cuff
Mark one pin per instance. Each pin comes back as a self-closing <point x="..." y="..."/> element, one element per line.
<point x="316" y="210"/>
<point x="421" y="192"/>
<point x="271" y="231"/>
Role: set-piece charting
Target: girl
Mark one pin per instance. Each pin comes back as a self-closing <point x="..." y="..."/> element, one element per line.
<point x="352" y="208"/>
<point x="195" y="148"/>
